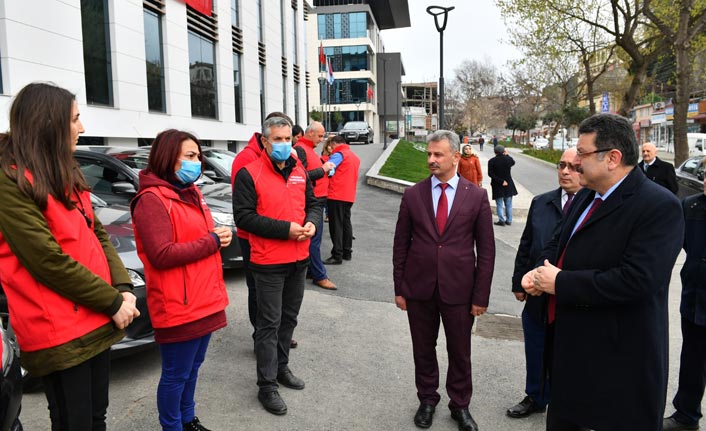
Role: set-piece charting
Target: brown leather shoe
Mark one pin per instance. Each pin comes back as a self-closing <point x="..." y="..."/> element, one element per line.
<point x="326" y="284"/>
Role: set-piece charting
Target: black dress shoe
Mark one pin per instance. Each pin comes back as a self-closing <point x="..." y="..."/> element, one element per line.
<point x="671" y="424"/>
<point x="272" y="402"/>
<point x="525" y="408"/>
<point x="347" y="256"/>
<point x="333" y="261"/>
<point x="464" y="419"/>
<point x="289" y="380"/>
<point x="424" y="415"/>
<point x="499" y="223"/>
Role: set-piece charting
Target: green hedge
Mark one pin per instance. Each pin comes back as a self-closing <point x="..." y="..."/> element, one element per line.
<point x="552" y="156"/>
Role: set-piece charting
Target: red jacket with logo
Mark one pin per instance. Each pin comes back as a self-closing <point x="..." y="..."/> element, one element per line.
<point x="49" y="319"/>
<point x="313" y="161"/>
<point x="343" y="184"/>
<point x="281" y="200"/>
<point x="246" y="156"/>
<point x="189" y="291"/>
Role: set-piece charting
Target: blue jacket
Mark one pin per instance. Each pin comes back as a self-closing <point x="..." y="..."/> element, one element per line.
<point x="693" y="274"/>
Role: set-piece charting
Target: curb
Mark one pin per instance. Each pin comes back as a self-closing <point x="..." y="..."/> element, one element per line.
<point x="520" y="203"/>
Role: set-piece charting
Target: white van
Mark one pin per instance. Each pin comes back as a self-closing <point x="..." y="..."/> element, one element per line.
<point x="696" y="141"/>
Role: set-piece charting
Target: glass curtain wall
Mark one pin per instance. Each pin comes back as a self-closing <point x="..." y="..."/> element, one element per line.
<point x="154" y="59"/>
<point x="96" y="52"/>
<point x="202" y="72"/>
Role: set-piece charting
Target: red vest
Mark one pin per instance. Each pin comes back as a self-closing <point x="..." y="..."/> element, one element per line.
<point x="342" y="185"/>
<point x="41" y="317"/>
<point x="189" y="292"/>
<point x="313" y="161"/>
<point x="279" y="200"/>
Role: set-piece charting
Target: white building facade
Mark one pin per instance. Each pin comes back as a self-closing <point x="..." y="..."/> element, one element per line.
<point x="138" y="67"/>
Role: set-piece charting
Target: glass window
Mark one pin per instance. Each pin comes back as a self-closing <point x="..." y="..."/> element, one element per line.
<point x="296" y="102"/>
<point x="282" y="10"/>
<point x="234" y="16"/>
<point x="202" y="71"/>
<point x="154" y="61"/>
<point x="345" y="91"/>
<point x="260" y="23"/>
<point x="284" y="94"/>
<point x="337" y="26"/>
<point x="263" y="111"/>
<point x="348" y="58"/>
<point x="322" y="26"/>
<point x="96" y="52"/>
<point x="342" y="25"/>
<point x="295" y="42"/>
<point x="357" y="24"/>
<point x="238" y="88"/>
<point x="691" y="165"/>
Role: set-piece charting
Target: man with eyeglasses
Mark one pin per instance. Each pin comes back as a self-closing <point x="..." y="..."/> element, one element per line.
<point x="545" y="212"/>
<point x="608" y="269"/>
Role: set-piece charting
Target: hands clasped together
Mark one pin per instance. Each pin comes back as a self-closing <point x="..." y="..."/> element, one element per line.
<point x="301" y="233"/>
<point x="540" y="280"/>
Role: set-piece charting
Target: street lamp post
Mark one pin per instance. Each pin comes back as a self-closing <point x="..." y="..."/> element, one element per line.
<point x="436" y="12"/>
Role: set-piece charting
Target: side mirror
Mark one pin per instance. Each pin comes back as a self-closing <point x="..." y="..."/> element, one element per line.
<point x="123" y="187"/>
<point x="700" y="175"/>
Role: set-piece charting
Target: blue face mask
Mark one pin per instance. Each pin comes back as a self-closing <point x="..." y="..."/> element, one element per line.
<point x="189" y="172"/>
<point x="281" y="151"/>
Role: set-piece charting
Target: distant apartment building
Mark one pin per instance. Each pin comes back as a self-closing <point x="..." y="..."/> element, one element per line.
<point x="343" y="37"/>
<point x="137" y="67"/>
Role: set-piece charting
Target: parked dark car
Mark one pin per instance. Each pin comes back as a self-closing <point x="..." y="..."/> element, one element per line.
<point x="10" y="379"/>
<point x="357" y="131"/>
<point x="112" y="173"/>
<point x="219" y="164"/>
<point x="690" y="176"/>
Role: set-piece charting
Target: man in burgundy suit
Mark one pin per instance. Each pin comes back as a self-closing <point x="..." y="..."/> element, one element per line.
<point x="443" y="221"/>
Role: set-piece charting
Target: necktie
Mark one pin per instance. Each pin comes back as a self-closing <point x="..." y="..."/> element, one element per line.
<point x="442" y="209"/>
<point x="569" y="198"/>
<point x="551" y="308"/>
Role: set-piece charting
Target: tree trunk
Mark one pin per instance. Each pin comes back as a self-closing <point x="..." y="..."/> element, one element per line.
<point x="683" y="78"/>
<point x="638" y="80"/>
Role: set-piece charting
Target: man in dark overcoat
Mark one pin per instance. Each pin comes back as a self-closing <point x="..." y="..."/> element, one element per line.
<point x="657" y="169"/>
<point x="502" y="185"/>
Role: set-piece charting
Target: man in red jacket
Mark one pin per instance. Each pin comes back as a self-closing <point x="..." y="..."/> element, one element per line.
<point x="273" y="200"/>
<point x="341" y="195"/>
<point x="318" y="174"/>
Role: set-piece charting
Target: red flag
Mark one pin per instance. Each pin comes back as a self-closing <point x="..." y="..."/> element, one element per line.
<point x="370" y="92"/>
<point x="322" y="57"/>
<point x="202" y="6"/>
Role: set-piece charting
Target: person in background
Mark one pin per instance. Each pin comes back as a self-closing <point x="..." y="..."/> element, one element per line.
<point x="318" y="174"/>
<point x="449" y="283"/>
<point x="297" y="132"/>
<point x="657" y="169"/>
<point x="273" y="199"/>
<point x="545" y="212"/>
<point x="469" y="166"/>
<point x="692" y="378"/>
<point x="495" y="141"/>
<point x="481" y="141"/>
<point x="179" y="245"/>
<point x="69" y="295"/>
<point x="607" y="274"/>
<point x="247" y="155"/>
<point x="343" y="183"/>
<point x="502" y="185"/>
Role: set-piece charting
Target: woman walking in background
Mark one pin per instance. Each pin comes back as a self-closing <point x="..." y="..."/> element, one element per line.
<point x="186" y="294"/>
<point x="68" y="293"/>
<point x="469" y="166"/>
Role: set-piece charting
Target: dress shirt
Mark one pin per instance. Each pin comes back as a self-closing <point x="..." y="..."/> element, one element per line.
<point x="450" y="191"/>
<point x="603" y="197"/>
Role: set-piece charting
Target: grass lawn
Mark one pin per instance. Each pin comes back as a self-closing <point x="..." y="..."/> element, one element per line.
<point x="552" y="156"/>
<point x="407" y="162"/>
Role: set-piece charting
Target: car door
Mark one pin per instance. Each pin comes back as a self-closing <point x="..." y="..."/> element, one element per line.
<point x="690" y="177"/>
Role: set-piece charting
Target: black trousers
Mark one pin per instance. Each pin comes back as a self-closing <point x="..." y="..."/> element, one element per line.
<point x="340" y="228"/>
<point x="692" y="373"/>
<point x="555" y="423"/>
<point x="78" y="396"/>
<point x="279" y="297"/>
<point x="250" y="282"/>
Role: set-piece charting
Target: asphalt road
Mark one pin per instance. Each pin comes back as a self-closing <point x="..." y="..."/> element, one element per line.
<point x="354" y="348"/>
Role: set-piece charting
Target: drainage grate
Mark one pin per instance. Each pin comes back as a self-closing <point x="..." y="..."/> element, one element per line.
<point x="499" y="326"/>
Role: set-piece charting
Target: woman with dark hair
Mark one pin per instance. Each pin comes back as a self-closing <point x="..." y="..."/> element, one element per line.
<point x="179" y="245"/>
<point x="68" y="293"/>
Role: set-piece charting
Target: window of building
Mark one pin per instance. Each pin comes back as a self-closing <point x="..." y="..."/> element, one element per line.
<point x="344" y="91"/>
<point x="260" y="22"/>
<point x="263" y="108"/>
<point x="296" y="102"/>
<point x="238" y="88"/>
<point x="285" y="101"/>
<point x="154" y="59"/>
<point x="144" y="142"/>
<point x="342" y="25"/>
<point x="283" y="15"/>
<point x="295" y="42"/>
<point x="348" y="58"/>
<point x="234" y="13"/>
<point x="96" y="52"/>
<point x="202" y="71"/>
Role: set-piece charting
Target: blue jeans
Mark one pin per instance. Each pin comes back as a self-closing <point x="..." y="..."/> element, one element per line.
<point x="317" y="269"/>
<point x="535" y="333"/>
<point x="177" y="385"/>
<point x="504" y="209"/>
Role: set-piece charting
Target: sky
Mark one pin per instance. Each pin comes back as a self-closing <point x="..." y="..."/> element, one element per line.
<point x="474" y="30"/>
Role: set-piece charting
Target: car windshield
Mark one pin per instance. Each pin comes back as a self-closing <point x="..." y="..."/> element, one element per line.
<point x="355" y="125"/>
<point x="222" y="158"/>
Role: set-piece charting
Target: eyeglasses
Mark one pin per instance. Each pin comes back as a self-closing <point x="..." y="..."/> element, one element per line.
<point x="563" y="165"/>
<point x="581" y="155"/>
